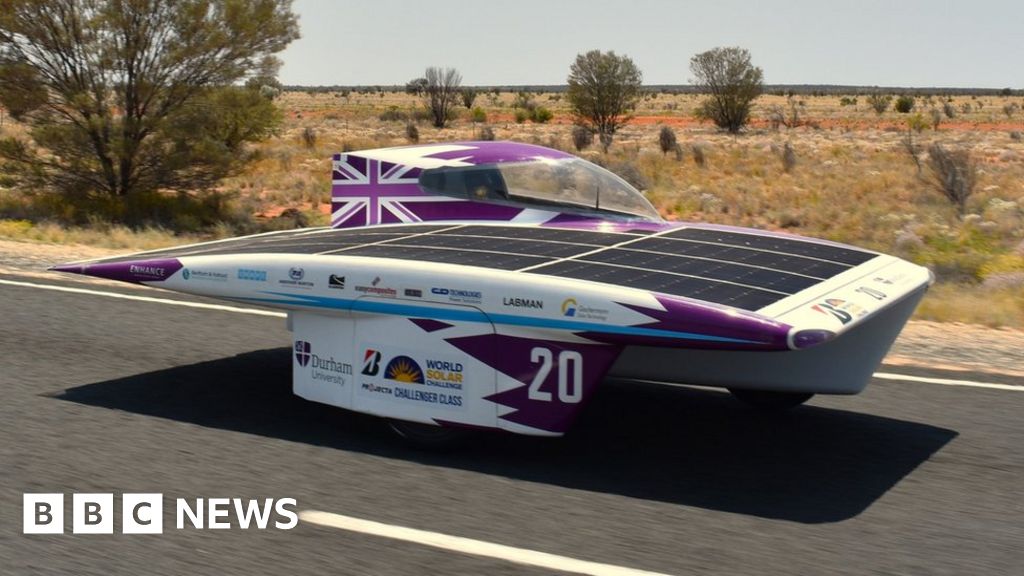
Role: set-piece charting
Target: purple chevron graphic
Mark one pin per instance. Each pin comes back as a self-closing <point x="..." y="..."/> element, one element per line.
<point x="515" y="357"/>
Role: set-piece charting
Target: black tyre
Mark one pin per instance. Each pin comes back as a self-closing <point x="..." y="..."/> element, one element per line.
<point x="770" y="401"/>
<point x="428" y="436"/>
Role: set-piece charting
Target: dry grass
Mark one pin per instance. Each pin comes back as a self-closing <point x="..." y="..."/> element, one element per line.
<point x="853" y="180"/>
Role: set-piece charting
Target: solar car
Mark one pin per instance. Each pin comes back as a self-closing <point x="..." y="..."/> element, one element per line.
<point x="496" y="285"/>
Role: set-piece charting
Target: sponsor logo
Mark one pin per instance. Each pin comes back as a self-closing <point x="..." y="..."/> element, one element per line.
<point x="375" y="281"/>
<point x="196" y="274"/>
<point x="872" y="292"/>
<point x="253" y="275"/>
<point x="336" y="282"/>
<point x="573" y="309"/>
<point x="404" y="369"/>
<point x="295" y="278"/>
<point x="523" y="303"/>
<point x="371" y="362"/>
<point x="413" y="292"/>
<point x="458" y="295"/>
<point x="376" y="291"/>
<point x="379" y="389"/>
<point x="302" y="352"/>
<point x="143" y="513"/>
<point x="325" y="369"/>
<point x="155" y="272"/>
<point x="839" y="309"/>
<point x="444" y="374"/>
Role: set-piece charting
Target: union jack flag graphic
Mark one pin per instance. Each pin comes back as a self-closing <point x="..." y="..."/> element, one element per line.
<point x="367" y="191"/>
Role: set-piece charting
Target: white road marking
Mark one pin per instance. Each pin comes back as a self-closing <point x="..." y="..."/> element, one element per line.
<point x="201" y="305"/>
<point x="258" y="312"/>
<point x="947" y="381"/>
<point x="468" y="545"/>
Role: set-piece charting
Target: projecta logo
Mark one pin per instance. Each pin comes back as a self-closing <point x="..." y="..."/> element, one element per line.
<point x="569" y="307"/>
<point x="371" y="362"/>
<point x="252" y="275"/>
<point x="303" y="352"/>
<point x="336" y="282"/>
<point x="404" y="369"/>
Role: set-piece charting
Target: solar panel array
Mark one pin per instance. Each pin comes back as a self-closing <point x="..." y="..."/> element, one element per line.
<point x="747" y="271"/>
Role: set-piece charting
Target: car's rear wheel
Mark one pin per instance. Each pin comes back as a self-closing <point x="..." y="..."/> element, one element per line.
<point x="428" y="436"/>
<point x="770" y="401"/>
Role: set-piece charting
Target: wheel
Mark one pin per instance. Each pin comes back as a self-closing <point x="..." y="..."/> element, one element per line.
<point x="770" y="401"/>
<point x="428" y="436"/>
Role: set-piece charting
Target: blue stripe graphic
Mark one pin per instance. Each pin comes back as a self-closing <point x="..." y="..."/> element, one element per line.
<point x="418" y="311"/>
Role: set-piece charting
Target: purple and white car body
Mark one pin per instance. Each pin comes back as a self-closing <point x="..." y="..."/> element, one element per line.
<point x="496" y="285"/>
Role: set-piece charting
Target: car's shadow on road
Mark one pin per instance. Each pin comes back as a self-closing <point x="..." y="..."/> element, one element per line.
<point x="686" y="446"/>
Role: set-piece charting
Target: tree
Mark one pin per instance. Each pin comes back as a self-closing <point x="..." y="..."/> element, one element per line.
<point x="441" y="93"/>
<point x="603" y="89"/>
<point x="416" y="86"/>
<point x="123" y="97"/>
<point x="732" y="82"/>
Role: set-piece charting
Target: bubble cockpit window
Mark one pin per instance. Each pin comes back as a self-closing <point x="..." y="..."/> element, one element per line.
<point x="567" y="183"/>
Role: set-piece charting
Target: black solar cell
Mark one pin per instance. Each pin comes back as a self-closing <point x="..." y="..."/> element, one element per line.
<point x="743" y="270"/>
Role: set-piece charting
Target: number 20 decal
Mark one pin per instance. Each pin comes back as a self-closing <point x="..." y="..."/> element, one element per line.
<point x="570" y="375"/>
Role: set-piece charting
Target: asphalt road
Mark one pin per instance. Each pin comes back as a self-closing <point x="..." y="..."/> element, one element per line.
<point x="106" y="395"/>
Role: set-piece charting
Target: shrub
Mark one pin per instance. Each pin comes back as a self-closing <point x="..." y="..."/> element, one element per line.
<point x="879" y="102"/>
<point x="917" y="123"/>
<point x="478" y="115"/>
<point x="629" y="172"/>
<point x="788" y="158"/>
<point x="393" y="114"/>
<point x="308" y="137"/>
<point x="412" y="133"/>
<point x="904" y="104"/>
<point x="667" y="140"/>
<point x="936" y="117"/>
<point x="1010" y="109"/>
<point x="949" y="110"/>
<point x="698" y="155"/>
<point x="847" y="101"/>
<point x="468" y="96"/>
<point x="582" y="137"/>
<point x="541" y="115"/>
<point x="954" y="174"/>
<point x="521" y="116"/>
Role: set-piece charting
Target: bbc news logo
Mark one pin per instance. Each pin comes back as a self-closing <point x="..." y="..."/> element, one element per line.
<point x="144" y="513"/>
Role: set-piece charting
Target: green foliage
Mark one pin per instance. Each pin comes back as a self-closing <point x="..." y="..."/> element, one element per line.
<point x="521" y="116"/>
<point x="129" y="98"/>
<point x="541" y="115"/>
<point x="478" y="115"/>
<point x="733" y="83"/>
<point x="904" y="104"/>
<point x="879" y="102"/>
<point x="847" y="101"/>
<point x="603" y="89"/>
<point x="917" y="123"/>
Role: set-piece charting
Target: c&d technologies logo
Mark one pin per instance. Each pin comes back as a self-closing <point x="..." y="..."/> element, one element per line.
<point x="144" y="513"/>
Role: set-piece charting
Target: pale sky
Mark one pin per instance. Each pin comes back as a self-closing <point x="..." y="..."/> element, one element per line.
<point x="907" y="43"/>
